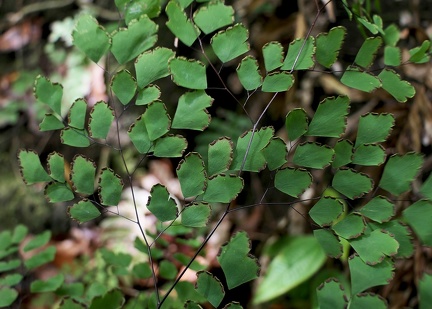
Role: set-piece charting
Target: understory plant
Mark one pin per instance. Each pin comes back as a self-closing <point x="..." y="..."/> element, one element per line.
<point x="364" y="211"/>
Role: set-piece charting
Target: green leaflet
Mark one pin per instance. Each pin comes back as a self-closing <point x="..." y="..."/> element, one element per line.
<point x="248" y="155"/>
<point x="328" y="46"/>
<point x="74" y="137"/>
<point x="273" y="55"/>
<point x="300" y="55"/>
<point x="31" y="168"/>
<point x="213" y="16"/>
<point x="351" y="226"/>
<point x="156" y="119"/>
<point x="139" y="136"/>
<point x="223" y="188"/>
<point x="49" y="93"/>
<point x="417" y="216"/>
<point x="378" y="209"/>
<point x="196" y="214"/>
<point x="275" y="153"/>
<point x="330" y="117"/>
<point x="7" y="296"/>
<point x="110" y="187"/>
<point x="368" y="51"/>
<point x="47" y="285"/>
<point x="351" y="183"/>
<point x="188" y="73"/>
<point x="191" y="111"/>
<point x="220" y="155"/>
<point x="170" y="146"/>
<point x="313" y="155"/>
<point x="329" y="243"/>
<point x="83" y="171"/>
<point x="38" y="241"/>
<point x="401" y="90"/>
<point x="331" y="294"/>
<point x="399" y="172"/>
<point x="139" y="36"/>
<point x="210" y="287"/>
<point x="360" y="80"/>
<point x="77" y="113"/>
<point x="124" y="85"/>
<point x="401" y="233"/>
<point x="374" y="128"/>
<point x="391" y="35"/>
<point x="83" y="211"/>
<point x="248" y="73"/>
<point x="147" y="95"/>
<point x="421" y="54"/>
<point x="58" y="192"/>
<point x="230" y="43"/>
<point x="277" y="82"/>
<point x="192" y="175"/>
<point x="101" y="118"/>
<point x="236" y="262"/>
<point x="179" y="25"/>
<point x="134" y="9"/>
<point x="40" y="258"/>
<point x="152" y="65"/>
<point x="292" y="181"/>
<point x="297" y="258"/>
<point x="56" y="166"/>
<point x="91" y="38"/>
<point x="50" y="123"/>
<point x="343" y="153"/>
<point x="161" y="204"/>
<point x="326" y="211"/>
<point x="367" y="300"/>
<point x="296" y="123"/>
<point x="392" y="56"/>
<point x="369" y="155"/>
<point x="112" y="299"/>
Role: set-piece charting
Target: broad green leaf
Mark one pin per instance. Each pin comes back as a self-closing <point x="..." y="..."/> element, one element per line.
<point x="329" y="242"/>
<point x="238" y="265"/>
<point x="58" y="192"/>
<point x="343" y="153"/>
<point x="110" y="187"/>
<point x="297" y="259"/>
<point x="7" y="296"/>
<point x="38" y="241"/>
<point x="210" y="287"/>
<point x="418" y="217"/>
<point x="332" y="295"/>
<point x="425" y="287"/>
<point x="300" y="55"/>
<point x="220" y="155"/>
<point x="157" y="120"/>
<point x="31" y="168"/>
<point x="375" y="246"/>
<point x="124" y="85"/>
<point x="313" y="155"/>
<point x="392" y="56"/>
<point x="368" y="51"/>
<point x="77" y="113"/>
<point x="248" y="155"/>
<point x="74" y="137"/>
<point x="83" y="171"/>
<point x="152" y="65"/>
<point x="223" y="188"/>
<point x="139" y="136"/>
<point x="351" y="226"/>
<point x="360" y="80"/>
<point x="330" y="117"/>
<point x="367" y="300"/>
<point x="11" y="280"/>
<point x="191" y="111"/>
<point x="426" y="188"/>
<point x="90" y="37"/>
<point x="50" y="123"/>
<point x="248" y="73"/>
<point x="83" y="211"/>
<point x="401" y="90"/>
<point x="9" y="265"/>
<point x="192" y="175"/>
<point x="139" y="36"/>
<point x="292" y="181"/>
<point x="351" y="183"/>
<point x="326" y="211"/>
<point x="147" y="95"/>
<point x="161" y="204"/>
<point x="277" y="82"/>
<point x="391" y="35"/>
<point x="369" y="155"/>
<point x="213" y="16"/>
<point x="399" y="172"/>
<point x="378" y="209"/>
<point x="114" y="299"/>
<point x="49" y="93"/>
<point x="47" y="285"/>
<point x="421" y="54"/>
<point x="179" y="25"/>
<point x="402" y="235"/>
<point x="170" y="146"/>
<point x="296" y="123"/>
<point x="230" y="43"/>
<point x="101" y="118"/>
<point x="134" y="9"/>
<point x="374" y="128"/>
<point x="196" y="214"/>
<point x="365" y="276"/>
<point x="328" y="46"/>
<point x="273" y="55"/>
<point x="275" y="153"/>
<point x="188" y="73"/>
<point x="43" y="257"/>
